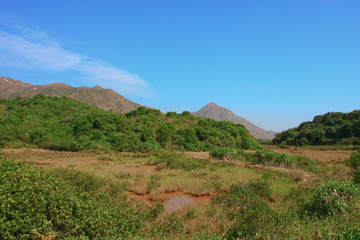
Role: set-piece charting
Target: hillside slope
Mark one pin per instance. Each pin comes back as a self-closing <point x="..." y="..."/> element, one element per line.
<point x="214" y="111"/>
<point x="328" y="129"/>
<point x="106" y="99"/>
<point x="65" y="124"/>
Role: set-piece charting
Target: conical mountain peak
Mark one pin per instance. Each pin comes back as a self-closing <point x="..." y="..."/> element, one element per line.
<point x="216" y="112"/>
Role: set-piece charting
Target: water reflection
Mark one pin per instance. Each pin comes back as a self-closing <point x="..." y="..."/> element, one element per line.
<point x="174" y="201"/>
<point x="179" y="203"/>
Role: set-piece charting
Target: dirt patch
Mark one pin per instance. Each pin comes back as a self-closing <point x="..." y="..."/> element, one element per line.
<point x="198" y="155"/>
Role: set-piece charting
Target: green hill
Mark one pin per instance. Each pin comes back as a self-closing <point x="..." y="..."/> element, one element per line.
<point x="65" y="124"/>
<point x="328" y="129"/>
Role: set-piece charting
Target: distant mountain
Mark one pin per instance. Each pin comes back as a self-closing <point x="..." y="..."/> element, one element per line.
<point x="214" y="111"/>
<point x="106" y="99"/>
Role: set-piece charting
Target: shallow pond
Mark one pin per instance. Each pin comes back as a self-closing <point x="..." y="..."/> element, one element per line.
<point x="174" y="201"/>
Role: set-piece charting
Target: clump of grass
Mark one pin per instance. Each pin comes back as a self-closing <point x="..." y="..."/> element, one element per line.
<point x="334" y="197"/>
<point x="106" y="158"/>
<point x="84" y="181"/>
<point x="198" y="174"/>
<point x="283" y="146"/>
<point x="354" y="163"/>
<point x="179" y="161"/>
<point x="219" y="153"/>
<point x="153" y="183"/>
<point x="122" y="175"/>
<point x="271" y="158"/>
<point x="246" y="206"/>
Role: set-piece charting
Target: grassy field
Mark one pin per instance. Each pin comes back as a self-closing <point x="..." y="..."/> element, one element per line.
<point x="139" y="172"/>
<point x="237" y="197"/>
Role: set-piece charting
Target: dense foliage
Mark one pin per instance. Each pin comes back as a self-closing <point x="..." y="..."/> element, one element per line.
<point x="327" y="129"/>
<point x="329" y="211"/>
<point x="354" y="163"/>
<point x="65" y="124"/>
<point x="36" y="204"/>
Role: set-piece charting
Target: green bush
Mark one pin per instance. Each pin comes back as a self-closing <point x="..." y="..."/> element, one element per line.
<point x="284" y="146"/>
<point x="334" y="197"/>
<point x="154" y="182"/>
<point x="349" y="234"/>
<point x="169" y="226"/>
<point x="84" y="181"/>
<point x="164" y="133"/>
<point x="270" y="158"/>
<point x="180" y="161"/>
<point x="274" y="158"/>
<point x="354" y="161"/>
<point x="252" y="218"/>
<point x="357" y="177"/>
<point x="219" y="153"/>
<point x="36" y="204"/>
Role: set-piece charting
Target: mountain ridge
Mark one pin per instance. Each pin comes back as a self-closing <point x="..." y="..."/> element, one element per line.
<point x="106" y="99"/>
<point x="216" y="112"/>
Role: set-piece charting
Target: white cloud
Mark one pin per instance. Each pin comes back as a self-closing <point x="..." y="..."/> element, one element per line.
<point x="36" y="50"/>
<point x="24" y="53"/>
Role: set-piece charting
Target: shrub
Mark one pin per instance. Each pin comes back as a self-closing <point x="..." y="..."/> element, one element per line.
<point x="37" y="204"/>
<point x="274" y="158"/>
<point x="284" y="146"/>
<point x="154" y="182"/>
<point x="357" y="177"/>
<point x="334" y="197"/>
<point x="349" y="234"/>
<point x="164" y="133"/>
<point x="354" y="161"/>
<point x="251" y="215"/>
<point x="84" y="181"/>
<point x="219" y="153"/>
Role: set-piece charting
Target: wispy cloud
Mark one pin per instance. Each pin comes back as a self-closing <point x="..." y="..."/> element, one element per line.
<point x="32" y="49"/>
<point x="20" y="52"/>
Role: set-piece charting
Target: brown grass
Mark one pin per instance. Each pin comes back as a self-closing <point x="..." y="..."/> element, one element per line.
<point x="136" y="171"/>
<point x="323" y="155"/>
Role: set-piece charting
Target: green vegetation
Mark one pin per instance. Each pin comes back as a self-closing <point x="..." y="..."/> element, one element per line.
<point x="354" y="163"/>
<point x="179" y="161"/>
<point x="335" y="197"/>
<point x="73" y="204"/>
<point x="35" y="203"/>
<point x="329" y="211"/>
<point x="264" y="157"/>
<point x="328" y="129"/>
<point x="255" y="194"/>
<point x="65" y="124"/>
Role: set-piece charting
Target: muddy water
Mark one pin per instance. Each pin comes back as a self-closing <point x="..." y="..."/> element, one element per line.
<point x="174" y="201"/>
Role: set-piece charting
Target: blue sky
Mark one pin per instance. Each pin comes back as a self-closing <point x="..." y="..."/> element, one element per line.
<point x="275" y="63"/>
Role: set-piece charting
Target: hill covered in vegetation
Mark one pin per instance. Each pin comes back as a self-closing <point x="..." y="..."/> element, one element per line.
<point x="65" y="124"/>
<point x="328" y="129"/>
<point x="106" y="99"/>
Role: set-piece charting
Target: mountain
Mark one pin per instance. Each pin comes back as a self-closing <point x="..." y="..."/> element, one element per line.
<point x="214" y="111"/>
<point x="106" y="99"/>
